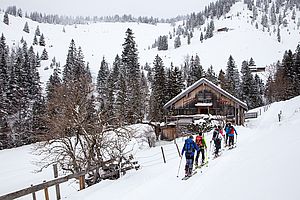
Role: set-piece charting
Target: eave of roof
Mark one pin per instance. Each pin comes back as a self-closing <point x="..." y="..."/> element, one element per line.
<point x="198" y="83"/>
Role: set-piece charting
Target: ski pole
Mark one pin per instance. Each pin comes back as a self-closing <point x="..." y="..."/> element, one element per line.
<point x="179" y="166"/>
<point x="206" y="157"/>
<point x="210" y="146"/>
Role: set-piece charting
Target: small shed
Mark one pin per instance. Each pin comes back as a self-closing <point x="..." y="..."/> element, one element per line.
<point x="169" y="132"/>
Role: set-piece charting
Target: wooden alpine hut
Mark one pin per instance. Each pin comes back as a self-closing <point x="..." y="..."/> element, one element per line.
<point x="205" y="98"/>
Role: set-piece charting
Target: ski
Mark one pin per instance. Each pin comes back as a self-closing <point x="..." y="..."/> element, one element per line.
<point x="187" y="177"/>
<point x="231" y="147"/>
<point x="202" y="165"/>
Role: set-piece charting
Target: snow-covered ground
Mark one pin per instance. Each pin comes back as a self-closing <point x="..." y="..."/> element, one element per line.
<point x="242" y="41"/>
<point x="265" y="165"/>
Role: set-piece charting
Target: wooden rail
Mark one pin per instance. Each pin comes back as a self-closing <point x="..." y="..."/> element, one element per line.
<point x="251" y="115"/>
<point x="44" y="186"/>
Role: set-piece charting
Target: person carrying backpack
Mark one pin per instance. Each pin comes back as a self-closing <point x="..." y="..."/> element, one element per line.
<point x="231" y="132"/>
<point x="217" y="138"/>
<point x="200" y="141"/>
<point x="189" y="149"/>
<point x="226" y="133"/>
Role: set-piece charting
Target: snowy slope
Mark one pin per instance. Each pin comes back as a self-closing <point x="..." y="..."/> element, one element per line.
<point x="264" y="165"/>
<point x="242" y="41"/>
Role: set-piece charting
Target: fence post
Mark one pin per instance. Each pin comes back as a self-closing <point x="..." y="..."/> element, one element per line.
<point x="81" y="183"/>
<point x="55" y="171"/>
<point x="162" y="150"/>
<point x="33" y="194"/>
<point x="46" y="192"/>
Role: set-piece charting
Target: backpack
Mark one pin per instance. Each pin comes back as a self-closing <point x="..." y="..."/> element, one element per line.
<point x="199" y="141"/>
<point x="231" y="130"/>
<point x="189" y="147"/>
<point x="215" y="134"/>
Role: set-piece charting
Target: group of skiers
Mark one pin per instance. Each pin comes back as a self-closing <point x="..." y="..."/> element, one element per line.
<point x="199" y="146"/>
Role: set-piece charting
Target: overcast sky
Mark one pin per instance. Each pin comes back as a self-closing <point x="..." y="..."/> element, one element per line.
<point x="155" y="8"/>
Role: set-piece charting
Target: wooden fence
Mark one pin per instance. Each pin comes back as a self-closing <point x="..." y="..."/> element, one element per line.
<point x="55" y="182"/>
<point x="251" y="115"/>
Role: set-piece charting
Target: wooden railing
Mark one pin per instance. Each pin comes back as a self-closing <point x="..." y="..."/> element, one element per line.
<point x="251" y="115"/>
<point x="55" y="182"/>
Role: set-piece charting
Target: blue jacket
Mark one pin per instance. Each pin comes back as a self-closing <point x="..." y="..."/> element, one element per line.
<point x="193" y="147"/>
<point x="227" y="130"/>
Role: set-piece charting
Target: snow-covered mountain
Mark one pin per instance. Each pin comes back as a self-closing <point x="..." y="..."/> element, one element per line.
<point x="243" y="40"/>
<point x="264" y="165"/>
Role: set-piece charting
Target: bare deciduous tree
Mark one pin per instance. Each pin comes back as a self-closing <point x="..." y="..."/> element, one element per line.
<point x="78" y="137"/>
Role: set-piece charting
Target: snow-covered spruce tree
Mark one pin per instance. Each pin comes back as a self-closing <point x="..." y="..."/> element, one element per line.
<point x="150" y="76"/>
<point x="201" y="37"/>
<point x="174" y="82"/>
<point x="254" y="13"/>
<point x="210" y="29"/>
<point x="258" y="92"/>
<point x="6" y="19"/>
<point x="110" y="99"/>
<point x="88" y="71"/>
<point x="169" y="84"/>
<point x="273" y="14"/>
<point x="296" y="70"/>
<point x="44" y="55"/>
<point x="42" y="41"/>
<point x="177" y="42"/>
<point x="102" y="86"/>
<point x="186" y="70"/>
<point x="247" y="85"/>
<point x="23" y="95"/>
<point x="35" y="41"/>
<point x="68" y="71"/>
<point x="121" y="98"/>
<point x="37" y="31"/>
<point x="19" y="13"/>
<point x="286" y="71"/>
<point x="196" y="71"/>
<point x="4" y="106"/>
<point x="222" y="79"/>
<point x="133" y="77"/>
<point x="145" y="96"/>
<point x="294" y="14"/>
<point x="158" y="92"/>
<point x="232" y="78"/>
<point x="53" y="82"/>
<point x="211" y="75"/>
<point x="251" y="62"/>
<point x="116" y="68"/>
<point x="12" y="10"/>
<point x="162" y="43"/>
<point x="278" y="35"/>
<point x="26" y="28"/>
<point x="264" y="21"/>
